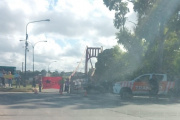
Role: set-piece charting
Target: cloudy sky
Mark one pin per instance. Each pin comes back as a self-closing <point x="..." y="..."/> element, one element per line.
<point x="74" y="24"/>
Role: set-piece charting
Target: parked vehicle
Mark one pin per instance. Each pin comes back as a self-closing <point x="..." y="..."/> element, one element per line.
<point x="140" y="86"/>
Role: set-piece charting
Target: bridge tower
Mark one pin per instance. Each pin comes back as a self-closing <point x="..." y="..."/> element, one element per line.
<point x="90" y="53"/>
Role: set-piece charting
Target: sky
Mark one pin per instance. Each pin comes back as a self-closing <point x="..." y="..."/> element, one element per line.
<point x="73" y="25"/>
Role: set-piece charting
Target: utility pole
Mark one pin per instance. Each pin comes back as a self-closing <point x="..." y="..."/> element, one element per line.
<point x="26" y="45"/>
<point x="22" y="66"/>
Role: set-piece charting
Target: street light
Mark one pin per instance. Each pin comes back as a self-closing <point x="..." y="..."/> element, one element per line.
<point x="33" y="51"/>
<point x="33" y="45"/>
<point x="49" y="65"/>
<point x="26" y="44"/>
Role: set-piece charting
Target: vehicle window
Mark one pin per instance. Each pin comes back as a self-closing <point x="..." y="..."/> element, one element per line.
<point x="159" y="77"/>
<point x="143" y="78"/>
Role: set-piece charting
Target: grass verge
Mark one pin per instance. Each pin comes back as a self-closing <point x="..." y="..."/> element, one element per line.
<point x="28" y="88"/>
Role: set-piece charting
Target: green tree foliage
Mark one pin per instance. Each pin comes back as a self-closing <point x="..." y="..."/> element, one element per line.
<point x="120" y="18"/>
<point x="106" y="59"/>
<point x="135" y="48"/>
<point x="43" y="72"/>
<point x="130" y="42"/>
<point x="156" y="26"/>
<point x="171" y="53"/>
<point x="111" y="4"/>
<point x="121" y="10"/>
<point x="55" y="74"/>
<point x="113" y="65"/>
<point x="154" y="45"/>
<point x="62" y="73"/>
<point x="143" y="7"/>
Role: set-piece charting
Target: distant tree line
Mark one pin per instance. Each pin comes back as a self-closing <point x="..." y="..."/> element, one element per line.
<point x="30" y="74"/>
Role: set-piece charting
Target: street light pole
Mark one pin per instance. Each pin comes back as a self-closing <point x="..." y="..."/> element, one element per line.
<point x="49" y="65"/>
<point x="33" y="45"/>
<point x="26" y="44"/>
<point x="22" y="67"/>
<point x="33" y="51"/>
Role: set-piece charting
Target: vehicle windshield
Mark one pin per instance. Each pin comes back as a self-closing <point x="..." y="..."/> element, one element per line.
<point x="90" y="59"/>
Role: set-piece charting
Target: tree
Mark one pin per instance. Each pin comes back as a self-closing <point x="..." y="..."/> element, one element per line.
<point x="55" y="74"/>
<point x="154" y="24"/>
<point x="156" y="39"/>
<point x="62" y="73"/>
<point x="171" y="53"/>
<point x="43" y="72"/>
<point x="143" y="7"/>
<point x="111" y="65"/>
<point x="121" y="10"/>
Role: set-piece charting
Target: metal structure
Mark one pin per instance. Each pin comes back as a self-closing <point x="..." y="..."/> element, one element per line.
<point x="90" y="53"/>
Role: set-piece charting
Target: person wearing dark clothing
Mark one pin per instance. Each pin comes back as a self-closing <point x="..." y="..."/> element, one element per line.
<point x="67" y="86"/>
<point x="18" y="79"/>
<point x="154" y="87"/>
<point x="34" y="82"/>
<point x="61" y="83"/>
<point x="40" y="84"/>
<point x="3" y="80"/>
<point x="177" y="88"/>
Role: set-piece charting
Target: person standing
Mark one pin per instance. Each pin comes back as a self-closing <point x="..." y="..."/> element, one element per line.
<point x="67" y="86"/>
<point x="40" y="83"/>
<point x="18" y="79"/>
<point x="154" y="87"/>
<point x="176" y="92"/>
<point x="3" y="80"/>
<point x="61" y="82"/>
<point x="34" y="82"/>
<point x="2" y="73"/>
<point x="10" y="77"/>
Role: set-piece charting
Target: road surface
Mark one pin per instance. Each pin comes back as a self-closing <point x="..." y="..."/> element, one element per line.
<point x="52" y="106"/>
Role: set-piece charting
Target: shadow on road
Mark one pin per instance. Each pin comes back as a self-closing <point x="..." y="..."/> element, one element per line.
<point x="55" y="100"/>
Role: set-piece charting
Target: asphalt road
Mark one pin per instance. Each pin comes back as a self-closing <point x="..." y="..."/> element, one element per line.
<point x="52" y="106"/>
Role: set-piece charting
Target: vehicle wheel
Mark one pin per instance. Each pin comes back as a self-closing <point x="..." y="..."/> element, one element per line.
<point x="126" y="94"/>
